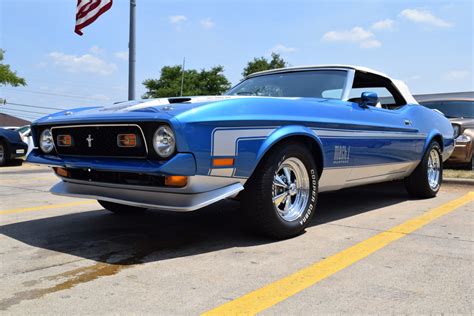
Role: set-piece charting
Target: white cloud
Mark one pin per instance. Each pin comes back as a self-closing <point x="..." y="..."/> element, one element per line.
<point x="382" y="25"/>
<point x="83" y="63"/>
<point x="96" y="50"/>
<point x="370" y="43"/>
<point x="280" y="48"/>
<point x="355" y="35"/>
<point x="177" y="19"/>
<point x="123" y="55"/>
<point x="359" y="35"/>
<point x="424" y="17"/>
<point x="455" y="75"/>
<point x="207" y="23"/>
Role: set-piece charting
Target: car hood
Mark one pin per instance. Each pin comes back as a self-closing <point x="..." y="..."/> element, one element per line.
<point x="155" y="109"/>
<point x="12" y="136"/>
<point x="465" y="122"/>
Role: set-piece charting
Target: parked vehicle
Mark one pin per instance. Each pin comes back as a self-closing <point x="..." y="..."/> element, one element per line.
<point x="278" y="137"/>
<point x="11" y="128"/>
<point x="461" y="114"/>
<point x="11" y="146"/>
<point x="25" y="134"/>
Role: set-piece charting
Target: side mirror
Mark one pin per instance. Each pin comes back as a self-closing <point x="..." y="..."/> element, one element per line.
<point x="369" y="99"/>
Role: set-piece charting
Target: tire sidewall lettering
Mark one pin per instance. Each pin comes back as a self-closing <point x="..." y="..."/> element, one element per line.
<point x="312" y="201"/>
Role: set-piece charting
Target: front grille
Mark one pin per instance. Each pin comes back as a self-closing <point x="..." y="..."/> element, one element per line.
<point x="99" y="141"/>
<point x="116" y="177"/>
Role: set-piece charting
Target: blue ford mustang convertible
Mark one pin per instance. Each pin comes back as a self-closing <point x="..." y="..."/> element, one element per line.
<point x="276" y="139"/>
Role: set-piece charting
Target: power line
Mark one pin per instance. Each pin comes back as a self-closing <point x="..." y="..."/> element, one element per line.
<point x="28" y="116"/>
<point x="22" y="114"/>
<point x="55" y="94"/>
<point x="36" y="106"/>
<point x="34" y="112"/>
<point x="71" y="83"/>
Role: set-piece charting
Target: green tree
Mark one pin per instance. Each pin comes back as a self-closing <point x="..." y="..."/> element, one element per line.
<point x="261" y="64"/>
<point x="7" y="76"/>
<point x="204" y="82"/>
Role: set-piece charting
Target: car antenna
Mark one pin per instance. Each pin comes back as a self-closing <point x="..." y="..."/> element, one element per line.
<point x="182" y="77"/>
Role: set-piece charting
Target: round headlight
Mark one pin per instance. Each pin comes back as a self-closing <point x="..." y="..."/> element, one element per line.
<point x="164" y="141"/>
<point x="46" y="141"/>
<point x="457" y="130"/>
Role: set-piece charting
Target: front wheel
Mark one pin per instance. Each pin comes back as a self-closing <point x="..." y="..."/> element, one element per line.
<point x="280" y="197"/>
<point x="425" y="180"/>
<point x="121" y="208"/>
<point x="3" y="154"/>
<point x="470" y="165"/>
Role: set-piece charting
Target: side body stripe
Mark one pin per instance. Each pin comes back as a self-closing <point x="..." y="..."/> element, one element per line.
<point x="225" y="141"/>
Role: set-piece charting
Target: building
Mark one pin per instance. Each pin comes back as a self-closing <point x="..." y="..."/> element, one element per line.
<point x="10" y="121"/>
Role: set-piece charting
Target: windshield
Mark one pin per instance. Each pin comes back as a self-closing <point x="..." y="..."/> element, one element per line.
<point x="23" y="129"/>
<point x="453" y="109"/>
<point x="306" y="84"/>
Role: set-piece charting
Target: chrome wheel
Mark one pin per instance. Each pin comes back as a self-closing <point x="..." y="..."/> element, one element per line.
<point x="434" y="169"/>
<point x="290" y="188"/>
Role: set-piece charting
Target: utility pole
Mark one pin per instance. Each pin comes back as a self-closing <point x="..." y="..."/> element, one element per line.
<point x="182" y="76"/>
<point x="131" y="52"/>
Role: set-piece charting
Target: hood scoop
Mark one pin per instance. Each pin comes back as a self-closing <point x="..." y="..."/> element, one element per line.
<point x="179" y="100"/>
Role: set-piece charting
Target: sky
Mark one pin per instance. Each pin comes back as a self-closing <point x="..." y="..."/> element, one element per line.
<point x="428" y="44"/>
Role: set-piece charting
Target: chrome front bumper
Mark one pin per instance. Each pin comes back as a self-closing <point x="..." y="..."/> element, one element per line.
<point x="463" y="151"/>
<point x="163" y="200"/>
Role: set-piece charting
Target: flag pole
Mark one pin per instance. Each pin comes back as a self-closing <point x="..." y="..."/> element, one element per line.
<point x="131" y="52"/>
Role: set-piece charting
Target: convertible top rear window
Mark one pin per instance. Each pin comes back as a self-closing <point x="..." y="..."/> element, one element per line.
<point x="308" y="84"/>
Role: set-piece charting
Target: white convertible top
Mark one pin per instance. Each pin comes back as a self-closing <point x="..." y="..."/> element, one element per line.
<point x="400" y="85"/>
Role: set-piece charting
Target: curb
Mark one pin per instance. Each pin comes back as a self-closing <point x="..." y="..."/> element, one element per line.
<point x="459" y="181"/>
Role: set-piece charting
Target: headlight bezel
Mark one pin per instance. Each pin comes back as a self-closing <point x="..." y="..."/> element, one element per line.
<point x="49" y="146"/>
<point x="456" y="130"/>
<point x="166" y="137"/>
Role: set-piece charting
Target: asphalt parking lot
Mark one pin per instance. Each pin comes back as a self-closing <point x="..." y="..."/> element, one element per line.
<point x="368" y="250"/>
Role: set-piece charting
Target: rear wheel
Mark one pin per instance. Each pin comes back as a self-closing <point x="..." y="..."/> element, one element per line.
<point x="425" y="180"/>
<point x="121" y="208"/>
<point x="280" y="198"/>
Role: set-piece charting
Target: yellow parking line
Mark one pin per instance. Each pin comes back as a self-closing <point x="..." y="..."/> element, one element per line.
<point x="282" y="289"/>
<point x="44" y="207"/>
<point x="6" y="181"/>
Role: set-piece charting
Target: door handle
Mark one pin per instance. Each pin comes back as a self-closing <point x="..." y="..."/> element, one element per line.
<point x="407" y="123"/>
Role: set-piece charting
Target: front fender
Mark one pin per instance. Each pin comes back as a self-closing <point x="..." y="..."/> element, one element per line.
<point x="285" y="132"/>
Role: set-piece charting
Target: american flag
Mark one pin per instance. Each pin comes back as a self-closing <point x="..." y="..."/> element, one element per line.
<point x="88" y="11"/>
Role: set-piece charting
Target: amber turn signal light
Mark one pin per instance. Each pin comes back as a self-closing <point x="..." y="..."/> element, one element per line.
<point x="127" y="140"/>
<point x="64" y="140"/>
<point x="61" y="172"/>
<point x="176" y="181"/>
<point x="222" y="162"/>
